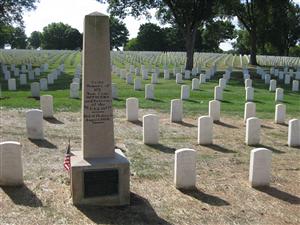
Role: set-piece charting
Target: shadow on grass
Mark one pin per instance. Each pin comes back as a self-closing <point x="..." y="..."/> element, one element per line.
<point x="225" y="124"/>
<point x="281" y="195"/>
<point x="36" y="98"/>
<point x="4" y="97"/>
<point x="225" y="101"/>
<point x="270" y="148"/>
<point x="138" y="122"/>
<point x="257" y="101"/>
<point x="191" y="100"/>
<point x="283" y="124"/>
<point x="185" y="124"/>
<point x="219" y="148"/>
<point x="53" y="120"/>
<point x="22" y="195"/>
<point x="155" y="100"/>
<point x="162" y="148"/>
<point x="267" y="127"/>
<point x="139" y="211"/>
<point x="118" y="99"/>
<point x="206" y="198"/>
<point x="42" y="143"/>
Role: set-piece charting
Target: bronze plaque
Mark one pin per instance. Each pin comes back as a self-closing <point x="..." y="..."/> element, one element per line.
<point x="99" y="183"/>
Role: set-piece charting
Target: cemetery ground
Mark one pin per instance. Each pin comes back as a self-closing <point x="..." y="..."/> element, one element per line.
<point x="223" y="194"/>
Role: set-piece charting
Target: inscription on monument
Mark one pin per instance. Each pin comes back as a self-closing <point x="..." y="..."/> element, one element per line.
<point x="97" y="102"/>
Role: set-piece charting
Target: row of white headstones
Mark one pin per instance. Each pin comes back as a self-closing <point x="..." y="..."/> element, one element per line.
<point x="35" y="87"/>
<point x="185" y="159"/>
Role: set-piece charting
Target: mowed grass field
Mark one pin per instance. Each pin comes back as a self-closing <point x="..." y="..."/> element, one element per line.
<point x="232" y="104"/>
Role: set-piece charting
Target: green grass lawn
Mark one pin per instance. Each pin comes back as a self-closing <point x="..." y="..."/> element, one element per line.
<point x="165" y="91"/>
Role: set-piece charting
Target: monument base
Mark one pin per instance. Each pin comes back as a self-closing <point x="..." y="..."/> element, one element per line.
<point x="100" y="181"/>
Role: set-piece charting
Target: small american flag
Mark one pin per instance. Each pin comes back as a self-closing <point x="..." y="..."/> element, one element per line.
<point x="67" y="161"/>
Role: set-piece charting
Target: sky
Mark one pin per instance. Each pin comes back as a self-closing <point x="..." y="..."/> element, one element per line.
<point x="72" y="12"/>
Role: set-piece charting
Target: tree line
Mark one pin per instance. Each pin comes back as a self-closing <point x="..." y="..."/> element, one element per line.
<point x="270" y="27"/>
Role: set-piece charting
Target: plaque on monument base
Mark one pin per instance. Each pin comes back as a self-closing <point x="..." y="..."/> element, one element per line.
<point x="100" y="181"/>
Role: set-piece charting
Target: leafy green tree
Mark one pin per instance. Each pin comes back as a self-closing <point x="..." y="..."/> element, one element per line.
<point x="6" y="32"/>
<point x="242" y="43"/>
<point x="150" y="37"/>
<point x="132" y="45"/>
<point x="118" y="33"/>
<point x="19" y="38"/>
<point x="214" y="33"/>
<point x="188" y="15"/>
<point x="35" y="39"/>
<point x="61" y="36"/>
<point x="11" y="11"/>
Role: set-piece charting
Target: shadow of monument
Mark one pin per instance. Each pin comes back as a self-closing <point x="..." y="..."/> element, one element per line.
<point x="267" y="127"/>
<point x="138" y="122"/>
<point x="206" y="198"/>
<point x="53" y="120"/>
<point x="36" y="98"/>
<point x="139" y="212"/>
<point x="22" y="195"/>
<point x="185" y="124"/>
<point x="225" y="124"/>
<point x="281" y="195"/>
<point x="42" y="143"/>
<point x="162" y="148"/>
<point x="219" y="148"/>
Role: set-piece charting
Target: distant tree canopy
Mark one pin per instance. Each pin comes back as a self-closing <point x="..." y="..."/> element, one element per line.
<point x="35" y="39"/>
<point x="118" y="33"/>
<point x="61" y="36"/>
<point x="151" y="37"/>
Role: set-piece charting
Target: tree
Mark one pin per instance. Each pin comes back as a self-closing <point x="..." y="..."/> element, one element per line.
<point x="150" y="37"/>
<point x="215" y="32"/>
<point x="19" y="38"/>
<point x="188" y="15"/>
<point x="35" y="39"/>
<point x="132" y="45"/>
<point x="11" y="11"/>
<point x="251" y="14"/>
<point x="6" y="32"/>
<point x="118" y="33"/>
<point x="61" y="36"/>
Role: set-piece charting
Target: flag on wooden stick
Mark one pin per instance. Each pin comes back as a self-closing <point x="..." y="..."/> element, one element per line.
<point x="67" y="161"/>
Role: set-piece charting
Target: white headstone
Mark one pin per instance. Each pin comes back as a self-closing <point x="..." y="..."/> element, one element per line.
<point x="11" y="166"/>
<point x="129" y="79"/>
<point x="166" y="75"/>
<point x="74" y="90"/>
<point x="154" y="79"/>
<point x="295" y="86"/>
<point x="267" y="78"/>
<point x="248" y="83"/>
<point x="178" y="78"/>
<point x="222" y="83"/>
<point x="185" y="168"/>
<point x="35" y="89"/>
<point x="176" y="110"/>
<point x="214" y="110"/>
<point x="23" y="79"/>
<point x="253" y="131"/>
<point x="202" y="78"/>
<point x="218" y="94"/>
<point x="260" y="167"/>
<point x="132" y="109"/>
<point x="43" y="84"/>
<point x="46" y="102"/>
<point x="249" y="111"/>
<point x="149" y="91"/>
<point x="273" y="84"/>
<point x="137" y="84"/>
<point x="30" y="75"/>
<point x="205" y="130"/>
<point x="150" y="129"/>
<point x="195" y="84"/>
<point x="249" y="94"/>
<point x="287" y="79"/>
<point x="294" y="133"/>
<point x="185" y="92"/>
<point x="50" y="78"/>
<point x="279" y="95"/>
<point x="34" y="124"/>
<point x="12" y="84"/>
<point x="280" y="113"/>
<point x="187" y="74"/>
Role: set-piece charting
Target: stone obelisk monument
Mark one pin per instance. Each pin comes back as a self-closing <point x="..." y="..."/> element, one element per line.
<point x="99" y="173"/>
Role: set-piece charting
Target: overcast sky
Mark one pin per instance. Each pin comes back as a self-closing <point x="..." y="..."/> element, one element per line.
<point x="72" y="12"/>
